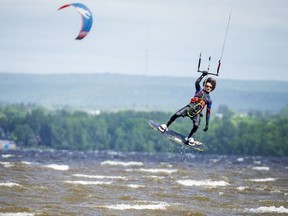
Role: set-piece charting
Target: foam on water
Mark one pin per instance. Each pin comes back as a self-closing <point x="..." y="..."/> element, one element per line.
<point x="180" y="186"/>
<point x="166" y="164"/>
<point x="6" y="164"/>
<point x="270" y="209"/>
<point x="26" y="162"/>
<point x="149" y="206"/>
<point x="163" y="171"/>
<point x="257" y="162"/>
<point x="156" y="177"/>
<point x="100" y="176"/>
<point x="121" y="163"/>
<point x="9" y="184"/>
<point x="57" y="167"/>
<point x="136" y="186"/>
<point x="7" y="155"/>
<point x="240" y="159"/>
<point x="261" y="168"/>
<point x="263" y="180"/>
<point x="16" y="214"/>
<point x="206" y="182"/>
<point x="242" y="188"/>
<point x="214" y="160"/>
<point x="89" y="182"/>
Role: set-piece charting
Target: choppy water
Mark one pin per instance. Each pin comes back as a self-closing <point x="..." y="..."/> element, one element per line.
<point x="110" y="183"/>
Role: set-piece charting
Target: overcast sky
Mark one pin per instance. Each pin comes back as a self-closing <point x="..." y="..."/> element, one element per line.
<point x="147" y="37"/>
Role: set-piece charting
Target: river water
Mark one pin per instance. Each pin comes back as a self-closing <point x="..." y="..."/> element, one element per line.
<point x="34" y="182"/>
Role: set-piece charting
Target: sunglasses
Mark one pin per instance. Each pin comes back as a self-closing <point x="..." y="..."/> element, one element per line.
<point x="208" y="86"/>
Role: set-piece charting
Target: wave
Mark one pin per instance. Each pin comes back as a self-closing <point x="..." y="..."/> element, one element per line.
<point x="257" y="162"/>
<point x="271" y="209"/>
<point x="10" y="184"/>
<point x="16" y="214"/>
<point x="26" y="162"/>
<point x="6" y="164"/>
<point x="149" y="206"/>
<point x="242" y="188"/>
<point x="261" y="168"/>
<point x="120" y="163"/>
<point x="156" y="177"/>
<point x="214" y="160"/>
<point x="240" y="159"/>
<point x="263" y="180"/>
<point x="100" y="176"/>
<point x="57" y="167"/>
<point x="136" y="186"/>
<point x="165" y="171"/>
<point x="206" y="183"/>
<point x="7" y="155"/>
<point x="89" y="182"/>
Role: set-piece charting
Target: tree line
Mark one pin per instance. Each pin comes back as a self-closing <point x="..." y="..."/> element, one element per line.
<point x="32" y="126"/>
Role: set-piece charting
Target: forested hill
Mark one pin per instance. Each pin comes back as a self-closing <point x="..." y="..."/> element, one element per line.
<point x="112" y="92"/>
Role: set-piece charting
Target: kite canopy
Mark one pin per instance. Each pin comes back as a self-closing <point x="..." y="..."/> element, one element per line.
<point x="86" y="16"/>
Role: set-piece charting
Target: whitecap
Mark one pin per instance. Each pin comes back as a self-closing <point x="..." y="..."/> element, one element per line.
<point x="271" y="209"/>
<point x="151" y="206"/>
<point x="120" y="163"/>
<point x="156" y="177"/>
<point x="257" y="162"/>
<point x="57" y="167"/>
<point x="89" y="182"/>
<point x="207" y="183"/>
<point x="240" y="159"/>
<point x="242" y="188"/>
<point x="135" y="186"/>
<point x="261" y="168"/>
<point x="6" y="164"/>
<point x="166" y="164"/>
<point x="10" y="184"/>
<point x="7" y="155"/>
<point x="16" y="214"/>
<point x="214" y="160"/>
<point x="263" y="180"/>
<point x="100" y="176"/>
<point x="165" y="171"/>
<point x="26" y="162"/>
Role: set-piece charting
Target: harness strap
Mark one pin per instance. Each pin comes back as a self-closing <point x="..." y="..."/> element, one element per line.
<point x="197" y="108"/>
<point x="194" y="110"/>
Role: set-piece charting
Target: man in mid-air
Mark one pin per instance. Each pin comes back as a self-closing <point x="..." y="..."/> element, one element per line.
<point x="194" y="108"/>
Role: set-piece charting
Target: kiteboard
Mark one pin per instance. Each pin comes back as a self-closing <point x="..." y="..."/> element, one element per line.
<point x="176" y="137"/>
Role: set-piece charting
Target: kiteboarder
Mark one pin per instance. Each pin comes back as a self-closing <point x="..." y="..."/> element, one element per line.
<point x="194" y="108"/>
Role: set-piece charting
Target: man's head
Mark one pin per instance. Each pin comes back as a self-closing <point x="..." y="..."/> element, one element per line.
<point x="209" y="84"/>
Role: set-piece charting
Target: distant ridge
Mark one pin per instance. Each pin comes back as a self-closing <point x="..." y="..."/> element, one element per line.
<point x="112" y="92"/>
